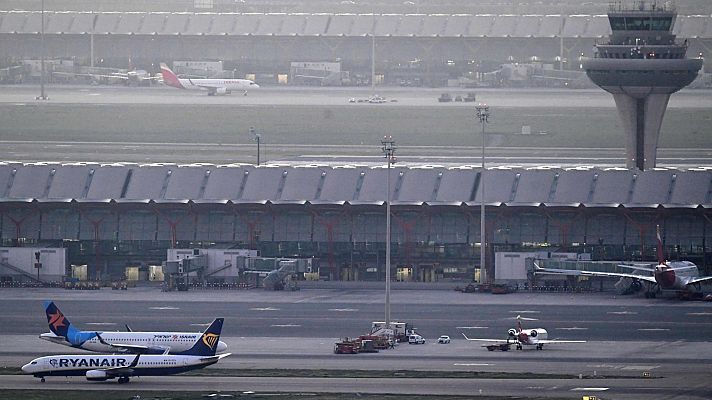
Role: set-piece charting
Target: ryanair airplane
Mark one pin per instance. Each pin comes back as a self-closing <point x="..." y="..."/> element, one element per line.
<point x="104" y="367"/>
<point x="64" y="333"/>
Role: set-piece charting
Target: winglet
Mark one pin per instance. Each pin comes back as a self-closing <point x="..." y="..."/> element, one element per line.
<point x="128" y="328"/>
<point x="170" y="78"/>
<point x="463" y="334"/>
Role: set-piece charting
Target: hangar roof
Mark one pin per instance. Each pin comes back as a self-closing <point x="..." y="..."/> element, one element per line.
<point x="328" y="24"/>
<point x="355" y="185"/>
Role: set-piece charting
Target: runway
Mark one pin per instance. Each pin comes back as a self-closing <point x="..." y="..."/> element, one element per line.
<point x="627" y="336"/>
<point x="319" y="126"/>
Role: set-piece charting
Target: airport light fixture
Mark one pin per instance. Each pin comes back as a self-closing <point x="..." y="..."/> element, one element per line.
<point x="483" y="115"/>
<point x="388" y="146"/>
<point x="257" y="138"/>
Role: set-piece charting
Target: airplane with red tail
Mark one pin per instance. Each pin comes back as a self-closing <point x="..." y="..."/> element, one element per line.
<point x="680" y="276"/>
<point x="213" y="86"/>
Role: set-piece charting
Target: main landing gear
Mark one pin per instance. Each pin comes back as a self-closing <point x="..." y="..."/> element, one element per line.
<point x="124" y="379"/>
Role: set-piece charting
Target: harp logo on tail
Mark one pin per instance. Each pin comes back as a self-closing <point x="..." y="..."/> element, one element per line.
<point x="210" y="340"/>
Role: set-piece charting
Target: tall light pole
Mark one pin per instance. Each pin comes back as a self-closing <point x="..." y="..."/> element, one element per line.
<point x="257" y="138"/>
<point x="483" y="116"/>
<point x="42" y="95"/>
<point x="388" y="145"/>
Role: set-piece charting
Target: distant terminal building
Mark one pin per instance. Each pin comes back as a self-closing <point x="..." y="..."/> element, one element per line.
<point x="642" y="64"/>
<point x="410" y="48"/>
<point x="109" y="217"/>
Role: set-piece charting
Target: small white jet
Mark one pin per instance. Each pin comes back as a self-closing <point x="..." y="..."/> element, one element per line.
<point x="64" y="333"/>
<point x="98" y="367"/>
<point x="213" y="86"/>
<point x="521" y="337"/>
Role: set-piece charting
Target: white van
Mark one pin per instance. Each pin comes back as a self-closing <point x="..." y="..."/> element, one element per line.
<point x="416" y="339"/>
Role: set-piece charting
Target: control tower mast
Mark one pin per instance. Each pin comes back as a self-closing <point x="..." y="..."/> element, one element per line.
<point x="641" y="66"/>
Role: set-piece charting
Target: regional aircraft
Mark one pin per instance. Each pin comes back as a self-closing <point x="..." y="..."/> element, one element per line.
<point x="521" y="337"/>
<point x="104" y="367"/>
<point x="679" y="276"/>
<point x="63" y="332"/>
<point x="213" y="86"/>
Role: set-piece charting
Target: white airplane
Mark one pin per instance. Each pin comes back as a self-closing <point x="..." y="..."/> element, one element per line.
<point x="521" y="337"/>
<point x="213" y="86"/>
<point x="64" y="333"/>
<point x="99" y="367"/>
<point x="666" y="275"/>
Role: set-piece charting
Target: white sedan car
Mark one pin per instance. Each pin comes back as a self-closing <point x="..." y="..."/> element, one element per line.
<point x="444" y="339"/>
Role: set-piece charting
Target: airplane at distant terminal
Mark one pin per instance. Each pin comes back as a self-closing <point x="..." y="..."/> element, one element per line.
<point x="666" y="275"/>
<point x="133" y="77"/>
<point x="213" y="86"/>
<point x="521" y="337"/>
<point x="98" y="367"/>
<point x="64" y="333"/>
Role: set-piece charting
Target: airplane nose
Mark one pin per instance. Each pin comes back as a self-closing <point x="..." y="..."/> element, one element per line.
<point x="222" y="347"/>
<point x="26" y="368"/>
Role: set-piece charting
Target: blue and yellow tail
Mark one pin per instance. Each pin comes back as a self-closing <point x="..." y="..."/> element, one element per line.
<point x="60" y="326"/>
<point x="207" y="344"/>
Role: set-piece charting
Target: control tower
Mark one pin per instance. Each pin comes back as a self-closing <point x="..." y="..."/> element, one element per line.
<point x="641" y="66"/>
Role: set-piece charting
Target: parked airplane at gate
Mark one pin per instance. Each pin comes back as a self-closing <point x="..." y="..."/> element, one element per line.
<point x="104" y="367"/>
<point x="213" y="86"/>
<point x="63" y="332"/>
<point x="521" y="337"/>
<point x="667" y="275"/>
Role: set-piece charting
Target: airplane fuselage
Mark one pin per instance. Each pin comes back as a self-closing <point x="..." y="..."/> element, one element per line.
<point x="157" y="342"/>
<point x="98" y="367"/>
<point x="675" y="275"/>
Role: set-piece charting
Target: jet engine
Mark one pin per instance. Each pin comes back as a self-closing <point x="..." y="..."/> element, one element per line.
<point x="221" y="91"/>
<point x="97" y="375"/>
<point x="533" y="333"/>
<point x="512" y="332"/>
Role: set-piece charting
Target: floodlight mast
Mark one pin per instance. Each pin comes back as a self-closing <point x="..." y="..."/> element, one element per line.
<point x="483" y="115"/>
<point x="388" y="146"/>
<point x="42" y="95"/>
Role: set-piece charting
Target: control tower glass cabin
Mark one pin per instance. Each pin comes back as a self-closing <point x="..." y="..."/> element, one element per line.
<point x="641" y="65"/>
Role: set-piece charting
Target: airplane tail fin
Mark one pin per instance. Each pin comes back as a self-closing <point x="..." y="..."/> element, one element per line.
<point x="207" y="344"/>
<point x="58" y="323"/>
<point x="661" y="255"/>
<point x="170" y="78"/>
<point x="519" y="323"/>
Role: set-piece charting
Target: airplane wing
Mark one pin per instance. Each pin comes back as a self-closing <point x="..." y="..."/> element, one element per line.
<point x="560" y="341"/>
<point x="123" y="370"/>
<point x="484" y="340"/>
<point x="575" y="272"/>
<point x="700" y="279"/>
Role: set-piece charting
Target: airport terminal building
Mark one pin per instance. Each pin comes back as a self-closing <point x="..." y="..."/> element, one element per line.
<point x="410" y="49"/>
<point x="113" y="216"/>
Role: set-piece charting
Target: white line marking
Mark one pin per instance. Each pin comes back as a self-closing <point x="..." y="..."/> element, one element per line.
<point x="622" y="312"/>
<point x="343" y="309"/>
<point x="285" y="326"/>
<point x="526" y="312"/>
<point x="163" y="308"/>
<point x="471" y="365"/>
<point x="525" y="318"/>
<point x="699" y="313"/>
<point x="100" y="323"/>
<point x="264" y="309"/>
<point x="654" y="329"/>
<point x="573" y="328"/>
<point x="472" y="327"/>
<point x="199" y="324"/>
<point x="590" y="389"/>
